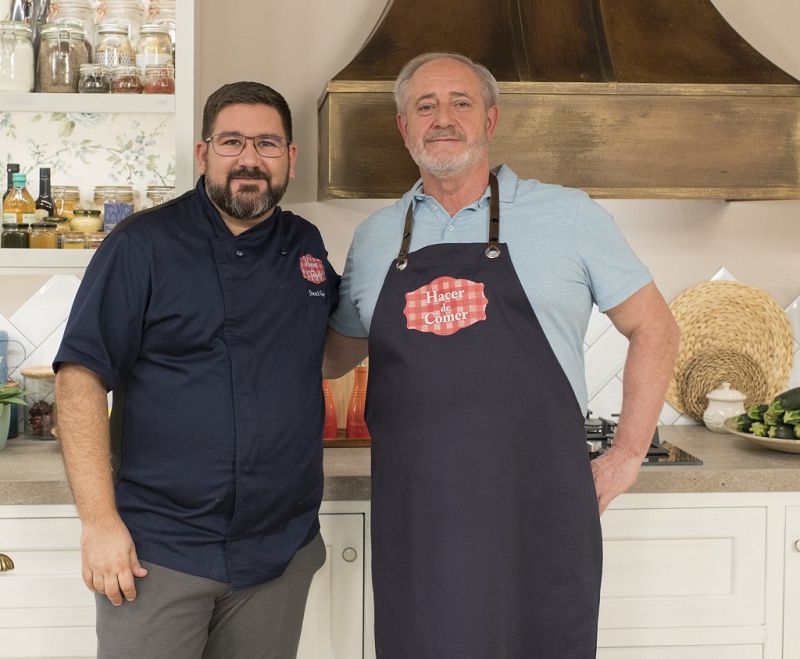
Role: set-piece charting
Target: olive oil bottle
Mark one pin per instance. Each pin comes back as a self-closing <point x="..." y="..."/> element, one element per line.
<point x="19" y="206"/>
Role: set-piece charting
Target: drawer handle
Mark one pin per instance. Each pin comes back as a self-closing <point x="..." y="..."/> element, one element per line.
<point x="6" y="564"/>
<point x="350" y="554"/>
<point x="797" y="545"/>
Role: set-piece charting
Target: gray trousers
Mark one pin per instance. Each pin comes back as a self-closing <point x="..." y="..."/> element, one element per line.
<point x="181" y="616"/>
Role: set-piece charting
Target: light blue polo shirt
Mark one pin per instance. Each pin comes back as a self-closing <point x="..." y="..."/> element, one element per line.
<point x="566" y="249"/>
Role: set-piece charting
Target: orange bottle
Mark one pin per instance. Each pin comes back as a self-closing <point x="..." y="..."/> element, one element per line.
<point x="356" y="426"/>
<point x="331" y="427"/>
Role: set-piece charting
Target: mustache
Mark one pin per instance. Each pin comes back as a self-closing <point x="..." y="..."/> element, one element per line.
<point x="245" y="172"/>
<point x="451" y="132"/>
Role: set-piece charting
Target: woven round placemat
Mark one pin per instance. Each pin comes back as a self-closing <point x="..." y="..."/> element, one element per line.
<point x="729" y="316"/>
<point x="707" y="371"/>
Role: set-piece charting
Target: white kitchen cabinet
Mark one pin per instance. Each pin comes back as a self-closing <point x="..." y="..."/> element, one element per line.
<point x="791" y="593"/>
<point x="46" y="611"/>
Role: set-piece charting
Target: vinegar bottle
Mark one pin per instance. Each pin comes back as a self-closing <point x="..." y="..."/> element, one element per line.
<point x="331" y="427"/>
<point x="19" y="206"/>
<point x="356" y="426"/>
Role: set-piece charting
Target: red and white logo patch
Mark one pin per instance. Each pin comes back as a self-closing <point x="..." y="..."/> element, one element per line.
<point x="445" y="306"/>
<point x="312" y="269"/>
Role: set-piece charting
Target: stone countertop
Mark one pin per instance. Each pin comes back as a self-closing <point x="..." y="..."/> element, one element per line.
<point x="31" y="471"/>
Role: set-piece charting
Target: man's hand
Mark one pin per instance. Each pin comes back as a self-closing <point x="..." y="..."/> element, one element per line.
<point x="614" y="472"/>
<point x="109" y="560"/>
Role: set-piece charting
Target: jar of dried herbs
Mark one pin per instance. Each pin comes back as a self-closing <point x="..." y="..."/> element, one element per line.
<point x="61" y="53"/>
<point x="95" y="79"/>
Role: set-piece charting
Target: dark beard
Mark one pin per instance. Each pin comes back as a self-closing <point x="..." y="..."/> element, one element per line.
<point x="250" y="207"/>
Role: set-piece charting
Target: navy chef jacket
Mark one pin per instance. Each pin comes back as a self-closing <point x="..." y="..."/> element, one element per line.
<point x="212" y="345"/>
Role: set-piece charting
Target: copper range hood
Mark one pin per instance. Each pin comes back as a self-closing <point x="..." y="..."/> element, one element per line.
<point x="623" y="98"/>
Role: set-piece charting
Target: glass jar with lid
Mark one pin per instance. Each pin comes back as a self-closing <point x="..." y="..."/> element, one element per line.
<point x="39" y="386"/>
<point x="43" y="235"/>
<point x="66" y="199"/>
<point x="61" y="53"/>
<point x="162" y="12"/>
<point x="79" y="13"/>
<point x="16" y="57"/>
<point x="94" y="79"/>
<point x="126" y="80"/>
<point x="86" y="220"/>
<point x="154" y="46"/>
<point x="62" y="227"/>
<point x="73" y="240"/>
<point x="93" y="240"/>
<point x="15" y="236"/>
<point x="117" y="202"/>
<point x="129" y="13"/>
<point x="158" y="194"/>
<point x="159" y="79"/>
<point x="113" y="46"/>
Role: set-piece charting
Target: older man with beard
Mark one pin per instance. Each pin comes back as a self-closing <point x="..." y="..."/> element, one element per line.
<point x="206" y="317"/>
<point x="475" y="291"/>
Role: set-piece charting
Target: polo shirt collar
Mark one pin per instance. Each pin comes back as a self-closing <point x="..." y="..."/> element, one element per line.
<point x="506" y="181"/>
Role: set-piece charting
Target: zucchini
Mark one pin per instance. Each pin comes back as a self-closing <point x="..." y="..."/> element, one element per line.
<point x="792" y="417"/>
<point x="759" y="429"/>
<point x="797" y="432"/>
<point x="773" y="417"/>
<point x="781" y="432"/>
<point x="742" y="423"/>
<point x="788" y="400"/>
<point x="756" y="412"/>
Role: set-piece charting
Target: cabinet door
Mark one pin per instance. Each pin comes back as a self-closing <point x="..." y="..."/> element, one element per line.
<point x="45" y="610"/>
<point x="791" y="593"/>
<point x="334" y="621"/>
<point x="683" y="567"/>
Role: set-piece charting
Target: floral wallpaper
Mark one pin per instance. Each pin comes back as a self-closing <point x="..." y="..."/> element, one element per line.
<point x="88" y="149"/>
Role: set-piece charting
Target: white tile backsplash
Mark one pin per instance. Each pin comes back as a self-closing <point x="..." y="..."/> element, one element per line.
<point x="36" y="328"/>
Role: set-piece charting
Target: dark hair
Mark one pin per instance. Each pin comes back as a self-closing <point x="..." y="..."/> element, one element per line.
<point x="248" y="93"/>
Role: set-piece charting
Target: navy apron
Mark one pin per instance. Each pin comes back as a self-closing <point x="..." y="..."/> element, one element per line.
<point x="486" y="538"/>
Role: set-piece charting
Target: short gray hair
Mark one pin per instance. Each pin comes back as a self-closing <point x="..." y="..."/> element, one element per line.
<point x="488" y="83"/>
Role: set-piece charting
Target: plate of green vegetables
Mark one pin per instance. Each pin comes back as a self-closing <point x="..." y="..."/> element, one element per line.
<point x="775" y="425"/>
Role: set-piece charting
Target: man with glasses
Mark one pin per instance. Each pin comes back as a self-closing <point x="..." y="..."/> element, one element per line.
<point x="206" y="317"/>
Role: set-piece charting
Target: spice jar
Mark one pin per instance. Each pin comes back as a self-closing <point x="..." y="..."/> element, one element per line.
<point x="113" y="46"/>
<point x="86" y="220"/>
<point x="162" y="12"/>
<point x="73" y="240"/>
<point x="39" y="389"/>
<point x="79" y="13"/>
<point x="159" y="79"/>
<point x="158" y="194"/>
<point x="95" y="79"/>
<point x="126" y="80"/>
<point x="66" y="198"/>
<point x="16" y="57"/>
<point x="43" y="235"/>
<point x="61" y="53"/>
<point x="154" y="46"/>
<point x="93" y="240"/>
<point x="117" y="202"/>
<point x="15" y="236"/>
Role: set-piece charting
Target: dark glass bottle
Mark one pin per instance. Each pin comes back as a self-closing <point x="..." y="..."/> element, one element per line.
<point x="45" y="206"/>
<point x="11" y="169"/>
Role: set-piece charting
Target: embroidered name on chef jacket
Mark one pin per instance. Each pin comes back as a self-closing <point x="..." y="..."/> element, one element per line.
<point x="312" y="269"/>
<point x="445" y="306"/>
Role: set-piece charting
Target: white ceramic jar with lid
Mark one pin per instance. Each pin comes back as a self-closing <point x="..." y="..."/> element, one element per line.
<point x="16" y="57"/>
<point x="723" y="403"/>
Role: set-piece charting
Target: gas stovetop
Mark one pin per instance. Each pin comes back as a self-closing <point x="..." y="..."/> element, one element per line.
<point x="600" y="437"/>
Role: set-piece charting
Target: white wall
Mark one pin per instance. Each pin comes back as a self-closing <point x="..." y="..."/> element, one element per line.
<point x="683" y="242"/>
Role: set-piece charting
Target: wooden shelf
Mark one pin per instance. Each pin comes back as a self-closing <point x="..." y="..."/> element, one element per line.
<point x="105" y="103"/>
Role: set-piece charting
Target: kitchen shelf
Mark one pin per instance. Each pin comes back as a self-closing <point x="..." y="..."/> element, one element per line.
<point x="105" y="103"/>
<point x="28" y="259"/>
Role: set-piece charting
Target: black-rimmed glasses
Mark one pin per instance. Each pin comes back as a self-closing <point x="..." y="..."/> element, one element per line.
<point x="232" y="144"/>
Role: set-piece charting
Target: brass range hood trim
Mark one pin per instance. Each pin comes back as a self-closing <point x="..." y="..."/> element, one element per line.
<point x="624" y="121"/>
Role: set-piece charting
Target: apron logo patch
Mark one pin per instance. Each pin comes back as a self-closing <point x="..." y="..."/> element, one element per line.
<point x="445" y="306"/>
<point x="312" y="269"/>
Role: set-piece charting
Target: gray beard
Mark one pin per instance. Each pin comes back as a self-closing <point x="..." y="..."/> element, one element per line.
<point x="247" y="207"/>
<point x="445" y="166"/>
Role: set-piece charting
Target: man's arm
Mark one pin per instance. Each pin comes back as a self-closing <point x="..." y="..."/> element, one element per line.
<point x="647" y="322"/>
<point x="342" y="353"/>
<point x="107" y="552"/>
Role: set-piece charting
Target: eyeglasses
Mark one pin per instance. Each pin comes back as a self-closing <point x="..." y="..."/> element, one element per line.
<point x="232" y="144"/>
